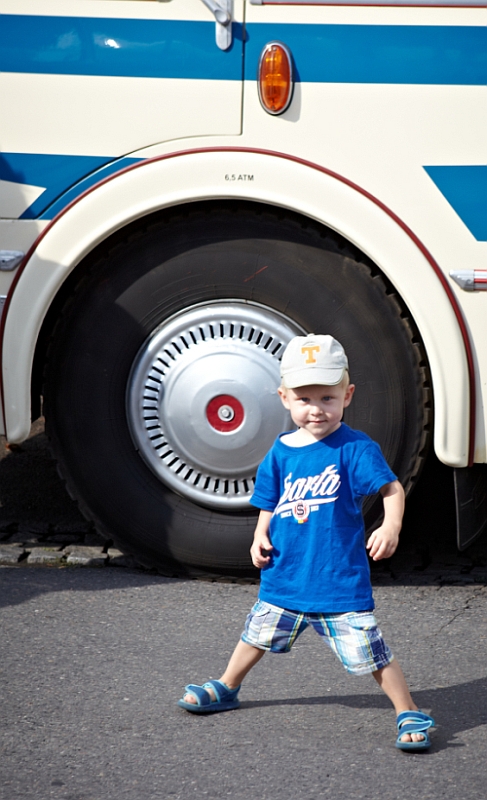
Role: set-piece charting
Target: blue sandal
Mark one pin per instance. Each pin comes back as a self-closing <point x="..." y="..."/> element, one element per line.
<point x="226" y="699"/>
<point x="413" y="722"/>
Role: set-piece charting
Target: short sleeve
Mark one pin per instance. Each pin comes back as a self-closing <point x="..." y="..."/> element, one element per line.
<point x="266" y="491"/>
<point x="370" y="470"/>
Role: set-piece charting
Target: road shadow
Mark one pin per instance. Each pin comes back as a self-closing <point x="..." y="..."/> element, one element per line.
<point x="22" y="584"/>
<point x="458" y="708"/>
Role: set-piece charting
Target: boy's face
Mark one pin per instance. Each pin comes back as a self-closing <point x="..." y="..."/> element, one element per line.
<point x="318" y="409"/>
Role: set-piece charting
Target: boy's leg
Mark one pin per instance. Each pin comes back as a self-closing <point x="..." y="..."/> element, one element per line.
<point x="392" y="681"/>
<point x="357" y="641"/>
<point x="244" y="657"/>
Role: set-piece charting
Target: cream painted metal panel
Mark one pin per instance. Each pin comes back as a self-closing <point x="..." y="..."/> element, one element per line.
<point x="381" y="136"/>
<point x="123" y="9"/>
<point x="103" y="78"/>
<point x="419" y="125"/>
<point x="275" y="181"/>
<point x="109" y="115"/>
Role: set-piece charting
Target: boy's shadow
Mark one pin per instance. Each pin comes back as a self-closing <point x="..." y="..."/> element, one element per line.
<point x="457" y="708"/>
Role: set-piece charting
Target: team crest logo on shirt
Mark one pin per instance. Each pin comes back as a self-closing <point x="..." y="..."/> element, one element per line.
<point x="304" y="495"/>
<point x="301" y="511"/>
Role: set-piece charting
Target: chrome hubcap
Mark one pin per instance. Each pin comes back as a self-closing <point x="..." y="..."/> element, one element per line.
<point x="202" y="404"/>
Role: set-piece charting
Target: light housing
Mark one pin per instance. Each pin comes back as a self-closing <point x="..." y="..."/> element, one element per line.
<point x="275" y="78"/>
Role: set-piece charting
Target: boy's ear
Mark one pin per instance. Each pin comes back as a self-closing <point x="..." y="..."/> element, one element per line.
<point x="348" y="395"/>
<point x="283" y="395"/>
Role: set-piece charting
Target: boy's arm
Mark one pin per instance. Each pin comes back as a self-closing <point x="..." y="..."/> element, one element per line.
<point x="383" y="541"/>
<point x="261" y="542"/>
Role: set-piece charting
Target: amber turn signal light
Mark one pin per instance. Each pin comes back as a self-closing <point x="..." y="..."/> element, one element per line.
<point x="275" y="78"/>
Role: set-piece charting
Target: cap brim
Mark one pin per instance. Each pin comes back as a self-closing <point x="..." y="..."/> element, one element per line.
<point x="310" y="377"/>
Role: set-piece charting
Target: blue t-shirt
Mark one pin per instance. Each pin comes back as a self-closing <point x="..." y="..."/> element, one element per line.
<point x="319" y="561"/>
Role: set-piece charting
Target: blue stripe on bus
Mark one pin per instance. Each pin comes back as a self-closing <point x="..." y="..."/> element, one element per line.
<point x="465" y="188"/>
<point x="84" y="184"/>
<point x="55" y="173"/>
<point x="136" y="48"/>
<point x="377" y="53"/>
<point x="455" y="55"/>
<point x="64" y="177"/>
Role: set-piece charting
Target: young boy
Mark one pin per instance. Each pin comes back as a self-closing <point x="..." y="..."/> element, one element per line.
<point x="309" y="539"/>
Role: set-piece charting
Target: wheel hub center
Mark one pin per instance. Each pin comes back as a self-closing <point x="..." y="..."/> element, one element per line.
<point x="225" y="413"/>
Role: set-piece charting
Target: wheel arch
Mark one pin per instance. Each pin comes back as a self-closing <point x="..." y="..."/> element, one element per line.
<point x="278" y="180"/>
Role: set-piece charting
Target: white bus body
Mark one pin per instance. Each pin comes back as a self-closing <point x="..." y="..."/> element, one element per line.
<point x="146" y="194"/>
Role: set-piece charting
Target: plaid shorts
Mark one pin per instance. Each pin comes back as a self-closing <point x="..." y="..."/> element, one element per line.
<point x="355" y="637"/>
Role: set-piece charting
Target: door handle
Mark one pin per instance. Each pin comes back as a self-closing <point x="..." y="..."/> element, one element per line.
<point x="222" y="11"/>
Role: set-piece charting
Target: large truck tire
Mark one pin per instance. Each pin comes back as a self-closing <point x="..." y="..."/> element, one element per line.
<point x="160" y="380"/>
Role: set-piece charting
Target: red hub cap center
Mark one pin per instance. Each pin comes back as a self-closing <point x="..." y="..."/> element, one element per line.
<point x="225" y="413"/>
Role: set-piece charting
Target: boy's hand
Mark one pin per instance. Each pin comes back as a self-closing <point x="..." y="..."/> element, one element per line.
<point x="260" y="551"/>
<point x="261" y="546"/>
<point x="383" y="542"/>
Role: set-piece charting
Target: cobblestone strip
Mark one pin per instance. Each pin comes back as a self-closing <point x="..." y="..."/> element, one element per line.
<point x="10" y="553"/>
<point x="77" y="545"/>
<point x="43" y="548"/>
<point x="45" y="556"/>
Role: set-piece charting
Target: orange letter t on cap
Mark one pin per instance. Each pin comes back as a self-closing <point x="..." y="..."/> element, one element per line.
<point x="309" y="350"/>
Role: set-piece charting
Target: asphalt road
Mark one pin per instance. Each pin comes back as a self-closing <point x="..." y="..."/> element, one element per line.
<point x="93" y="662"/>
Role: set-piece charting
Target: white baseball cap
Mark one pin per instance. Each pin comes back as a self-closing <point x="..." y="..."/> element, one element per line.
<point x="315" y="358"/>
